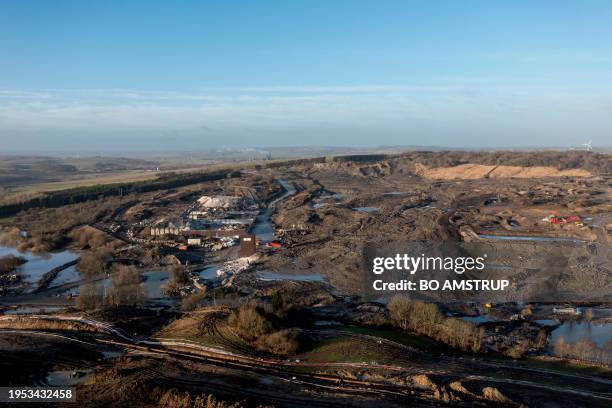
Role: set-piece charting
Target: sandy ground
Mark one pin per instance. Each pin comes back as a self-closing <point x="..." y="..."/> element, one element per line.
<point x="477" y="171"/>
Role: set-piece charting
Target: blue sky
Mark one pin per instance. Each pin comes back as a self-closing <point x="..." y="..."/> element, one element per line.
<point x="92" y="75"/>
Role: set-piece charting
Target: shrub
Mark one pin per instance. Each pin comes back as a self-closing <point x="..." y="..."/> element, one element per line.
<point x="194" y="300"/>
<point x="584" y="349"/>
<point x="250" y="323"/>
<point x="516" y="351"/>
<point x="174" y="399"/>
<point x="282" y="343"/>
<point x="9" y="263"/>
<point x="88" y="237"/>
<point x="94" y="262"/>
<point x="91" y="296"/>
<point x="418" y="316"/>
<point x="399" y="309"/>
<point x="10" y="237"/>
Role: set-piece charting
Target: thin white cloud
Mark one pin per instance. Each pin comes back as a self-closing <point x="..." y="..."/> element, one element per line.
<point x="436" y="114"/>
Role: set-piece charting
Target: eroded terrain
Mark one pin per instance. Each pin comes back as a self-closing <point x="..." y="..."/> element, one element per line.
<point x="246" y="287"/>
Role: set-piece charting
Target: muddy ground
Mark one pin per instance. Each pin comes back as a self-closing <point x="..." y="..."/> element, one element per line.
<point x="341" y="207"/>
<point x="357" y="356"/>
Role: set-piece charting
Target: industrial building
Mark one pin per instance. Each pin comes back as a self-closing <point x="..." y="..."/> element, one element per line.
<point x="215" y="222"/>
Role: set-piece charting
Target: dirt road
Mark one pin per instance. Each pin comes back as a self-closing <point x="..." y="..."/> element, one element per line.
<point x="448" y="369"/>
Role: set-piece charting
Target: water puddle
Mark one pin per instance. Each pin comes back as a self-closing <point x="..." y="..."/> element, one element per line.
<point x="327" y="323"/>
<point x="112" y="354"/>
<point x="66" y="378"/>
<point x="366" y="209"/>
<point x="528" y="238"/>
<point x="300" y="277"/>
<point x="479" y="319"/>
<point x="209" y="272"/>
<point x="547" y="322"/>
<point x="262" y="227"/>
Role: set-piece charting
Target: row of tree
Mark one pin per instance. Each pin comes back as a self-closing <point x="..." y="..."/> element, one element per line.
<point x="426" y="319"/>
<point x="126" y="289"/>
<point x="584" y="349"/>
<point x="597" y="163"/>
<point x="77" y="195"/>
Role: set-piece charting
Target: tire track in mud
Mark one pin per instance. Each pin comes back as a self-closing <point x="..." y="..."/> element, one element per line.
<point x="177" y="348"/>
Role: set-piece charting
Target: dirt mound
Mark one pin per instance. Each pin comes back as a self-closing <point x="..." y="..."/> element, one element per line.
<point x="423" y="381"/>
<point x="478" y="171"/>
<point x="33" y="323"/>
<point x="493" y="394"/>
<point x="458" y="387"/>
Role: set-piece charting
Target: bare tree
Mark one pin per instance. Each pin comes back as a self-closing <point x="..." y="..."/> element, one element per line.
<point x="588" y="315"/>
<point x="399" y="309"/>
<point x="425" y="318"/>
<point x="91" y="296"/>
<point x="178" y="279"/>
<point x="127" y="288"/>
<point x="94" y="262"/>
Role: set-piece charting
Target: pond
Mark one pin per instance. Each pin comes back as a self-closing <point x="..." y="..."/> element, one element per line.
<point x="573" y="331"/>
<point x="67" y="275"/>
<point x="38" y="265"/>
<point x="154" y="282"/>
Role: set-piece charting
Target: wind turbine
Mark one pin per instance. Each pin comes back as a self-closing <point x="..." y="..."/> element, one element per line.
<point x="587" y="146"/>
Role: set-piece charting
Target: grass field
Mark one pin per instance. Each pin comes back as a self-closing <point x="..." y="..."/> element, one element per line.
<point x="343" y="349"/>
<point x="89" y="180"/>
<point x="199" y="328"/>
<point x="569" y="367"/>
<point x="418" y="342"/>
<point x="35" y="186"/>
